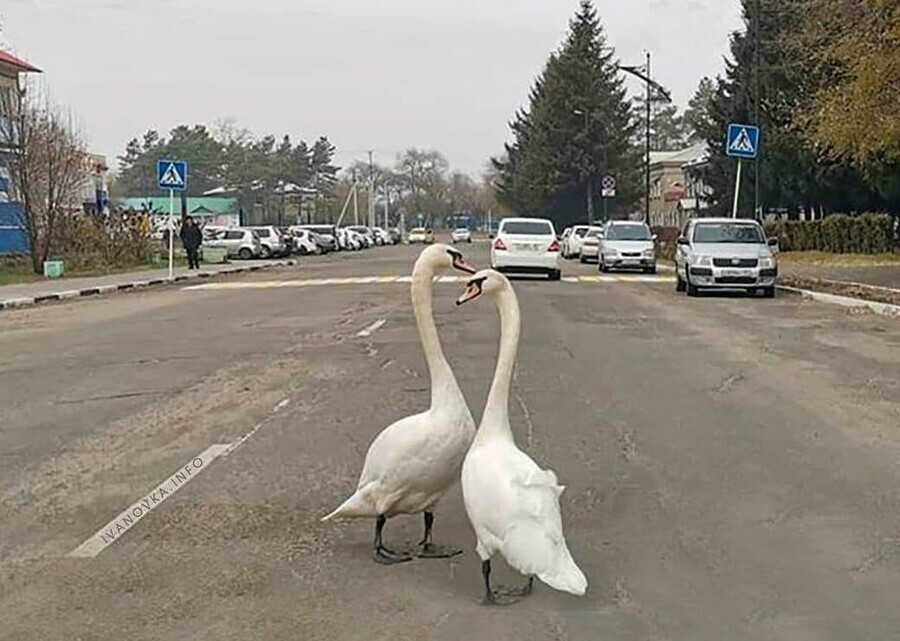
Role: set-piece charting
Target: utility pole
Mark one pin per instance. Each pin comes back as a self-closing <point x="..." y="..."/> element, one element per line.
<point x="758" y="55"/>
<point x="589" y="179"/>
<point x="644" y="74"/>
<point x="387" y="206"/>
<point x="371" y="191"/>
<point x="647" y="168"/>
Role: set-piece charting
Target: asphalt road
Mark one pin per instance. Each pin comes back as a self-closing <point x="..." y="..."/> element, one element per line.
<point x="730" y="463"/>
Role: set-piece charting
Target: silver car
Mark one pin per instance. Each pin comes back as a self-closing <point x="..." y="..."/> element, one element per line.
<point x="237" y="242"/>
<point x="627" y="245"/>
<point x="726" y="253"/>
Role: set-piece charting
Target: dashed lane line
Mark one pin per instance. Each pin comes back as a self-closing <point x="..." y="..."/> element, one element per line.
<point x="381" y="280"/>
<point x="374" y="327"/>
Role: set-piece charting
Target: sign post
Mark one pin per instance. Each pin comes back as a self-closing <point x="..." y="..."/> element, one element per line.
<point x="171" y="175"/>
<point x="607" y="191"/>
<point x="743" y="144"/>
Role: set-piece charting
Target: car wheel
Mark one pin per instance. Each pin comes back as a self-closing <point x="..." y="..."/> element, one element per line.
<point x="650" y="270"/>
<point x="265" y="252"/>
<point x="691" y="288"/>
<point x="603" y="268"/>
<point x="555" y="274"/>
<point x="582" y="259"/>
<point x="245" y="254"/>
<point x="679" y="283"/>
<point x="769" y="292"/>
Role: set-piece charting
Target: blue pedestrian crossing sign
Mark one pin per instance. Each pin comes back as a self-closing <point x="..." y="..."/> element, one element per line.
<point x="743" y="141"/>
<point x="171" y="174"/>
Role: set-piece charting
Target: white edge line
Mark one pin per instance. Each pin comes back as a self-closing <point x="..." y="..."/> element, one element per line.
<point x="884" y="309"/>
<point x="127" y="519"/>
<point x="368" y="331"/>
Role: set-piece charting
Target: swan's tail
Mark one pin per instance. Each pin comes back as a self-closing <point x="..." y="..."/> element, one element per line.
<point x="566" y="575"/>
<point x="356" y="506"/>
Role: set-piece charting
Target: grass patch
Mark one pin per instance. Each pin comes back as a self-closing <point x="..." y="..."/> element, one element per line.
<point x="839" y="260"/>
<point x="18" y="272"/>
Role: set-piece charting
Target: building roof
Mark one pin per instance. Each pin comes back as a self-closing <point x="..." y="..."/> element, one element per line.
<point x="681" y="157"/>
<point x="203" y="205"/>
<point x="9" y="59"/>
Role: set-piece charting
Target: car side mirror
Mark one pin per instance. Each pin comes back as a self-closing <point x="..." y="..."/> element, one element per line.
<point x="684" y="242"/>
<point x="654" y="238"/>
<point x="773" y="243"/>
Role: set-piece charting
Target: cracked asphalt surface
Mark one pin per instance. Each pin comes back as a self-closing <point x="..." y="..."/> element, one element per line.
<point x="730" y="463"/>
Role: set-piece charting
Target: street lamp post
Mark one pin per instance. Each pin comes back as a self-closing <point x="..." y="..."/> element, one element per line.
<point x="590" y="173"/>
<point x="644" y="74"/>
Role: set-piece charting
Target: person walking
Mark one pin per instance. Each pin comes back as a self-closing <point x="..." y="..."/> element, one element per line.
<point x="191" y="238"/>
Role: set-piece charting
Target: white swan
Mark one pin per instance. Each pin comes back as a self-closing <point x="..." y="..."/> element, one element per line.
<point x="413" y="462"/>
<point x="512" y="503"/>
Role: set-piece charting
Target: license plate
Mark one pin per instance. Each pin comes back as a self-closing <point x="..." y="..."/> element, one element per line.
<point x="631" y="261"/>
<point x="528" y="247"/>
<point x="736" y="272"/>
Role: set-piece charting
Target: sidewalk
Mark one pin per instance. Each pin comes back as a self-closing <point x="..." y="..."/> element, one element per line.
<point x="26" y="294"/>
<point x="874" y="276"/>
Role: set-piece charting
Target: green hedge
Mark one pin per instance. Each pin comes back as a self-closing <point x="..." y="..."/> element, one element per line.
<point x="837" y="233"/>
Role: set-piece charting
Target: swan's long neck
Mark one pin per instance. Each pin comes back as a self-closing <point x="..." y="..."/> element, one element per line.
<point x="442" y="379"/>
<point x="495" y="421"/>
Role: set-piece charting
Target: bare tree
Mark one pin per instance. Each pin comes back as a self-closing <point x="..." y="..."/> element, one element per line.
<point x="48" y="167"/>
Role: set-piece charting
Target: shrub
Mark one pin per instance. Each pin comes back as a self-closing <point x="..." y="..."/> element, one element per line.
<point x="837" y="233"/>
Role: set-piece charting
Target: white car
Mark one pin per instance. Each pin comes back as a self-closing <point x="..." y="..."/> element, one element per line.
<point x="627" y="245"/>
<point x="304" y="241"/>
<point x="461" y="235"/>
<point x="572" y="246"/>
<point x="726" y="253"/>
<point x="590" y="245"/>
<point x="526" y="246"/>
<point x="416" y="235"/>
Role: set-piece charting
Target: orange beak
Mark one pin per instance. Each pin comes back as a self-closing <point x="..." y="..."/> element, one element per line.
<point x="462" y="265"/>
<point x="472" y="291"/>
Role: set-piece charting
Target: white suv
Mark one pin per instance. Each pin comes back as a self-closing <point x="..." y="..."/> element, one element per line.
<point x="720" y="253"/>
<point x="526" y="246"/>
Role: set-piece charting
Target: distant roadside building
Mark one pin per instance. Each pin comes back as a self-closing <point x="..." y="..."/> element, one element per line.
<point x="13" y="239"/>
<point x="677" y="191"/>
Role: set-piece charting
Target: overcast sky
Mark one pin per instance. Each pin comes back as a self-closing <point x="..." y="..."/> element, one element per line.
<point x="370" y="74"/>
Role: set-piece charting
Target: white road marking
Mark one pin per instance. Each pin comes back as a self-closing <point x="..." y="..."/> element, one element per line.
<point x="378" y="280"/>
<point x="116" y="528"/>
<point x="374" y="327"/>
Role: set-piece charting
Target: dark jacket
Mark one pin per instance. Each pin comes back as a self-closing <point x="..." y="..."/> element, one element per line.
<point x="191" y="236"/>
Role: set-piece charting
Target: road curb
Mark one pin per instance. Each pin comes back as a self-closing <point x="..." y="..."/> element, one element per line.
<point x="99" y="290"/>
<point x="884" y="309"/>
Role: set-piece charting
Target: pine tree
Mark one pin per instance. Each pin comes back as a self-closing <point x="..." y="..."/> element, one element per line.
<point x="578" y="126"/>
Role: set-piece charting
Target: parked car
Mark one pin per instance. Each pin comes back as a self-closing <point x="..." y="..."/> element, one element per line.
<point x="273" y="245"/>
<point x="366" y="233"/>
<point x="572" y="247"/>
<point x="361" y="241"/>
<point x="305" y="242"/>
<point x="416" y="235"/>
<point x="381" y="236"/>
<point x="326" y="236"/>
<point x="627" y="245"/>
<point x="719" y="253"/>
<point x="590" y="245"/>
<point x="237" y="241"/>
<point x="461" y="235"/>
<point x="526" y="245"/>
<point x="429" y="236"/>
<point x="396" y="236"/>
<point x="347" y="240"/>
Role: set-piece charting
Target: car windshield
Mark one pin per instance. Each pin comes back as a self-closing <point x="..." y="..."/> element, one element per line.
<point x="592" y="233"/>
<point x="461" y="230"/>
<point x="628" y="232"/>
<point x="727" y="233"/>
<point x="417" y="230"/>
<point x="580" y="232"/>
<point x="527" y="228"/>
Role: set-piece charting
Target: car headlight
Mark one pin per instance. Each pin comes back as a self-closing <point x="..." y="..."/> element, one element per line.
<point x="610" y="251"/>
<point x="701" y="261"/>
<point x="649" y="253"/>
<point x="767" y="262"/>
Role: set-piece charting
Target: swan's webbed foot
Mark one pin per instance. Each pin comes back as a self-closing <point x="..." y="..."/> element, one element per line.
<point x="522" y="591"/>
<point x="380" y="553"/>
<point x="502" y="596"/>
<point x="384" y="556"/>
<point x="428" y="550"/>
<point x="432" y="551"/>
